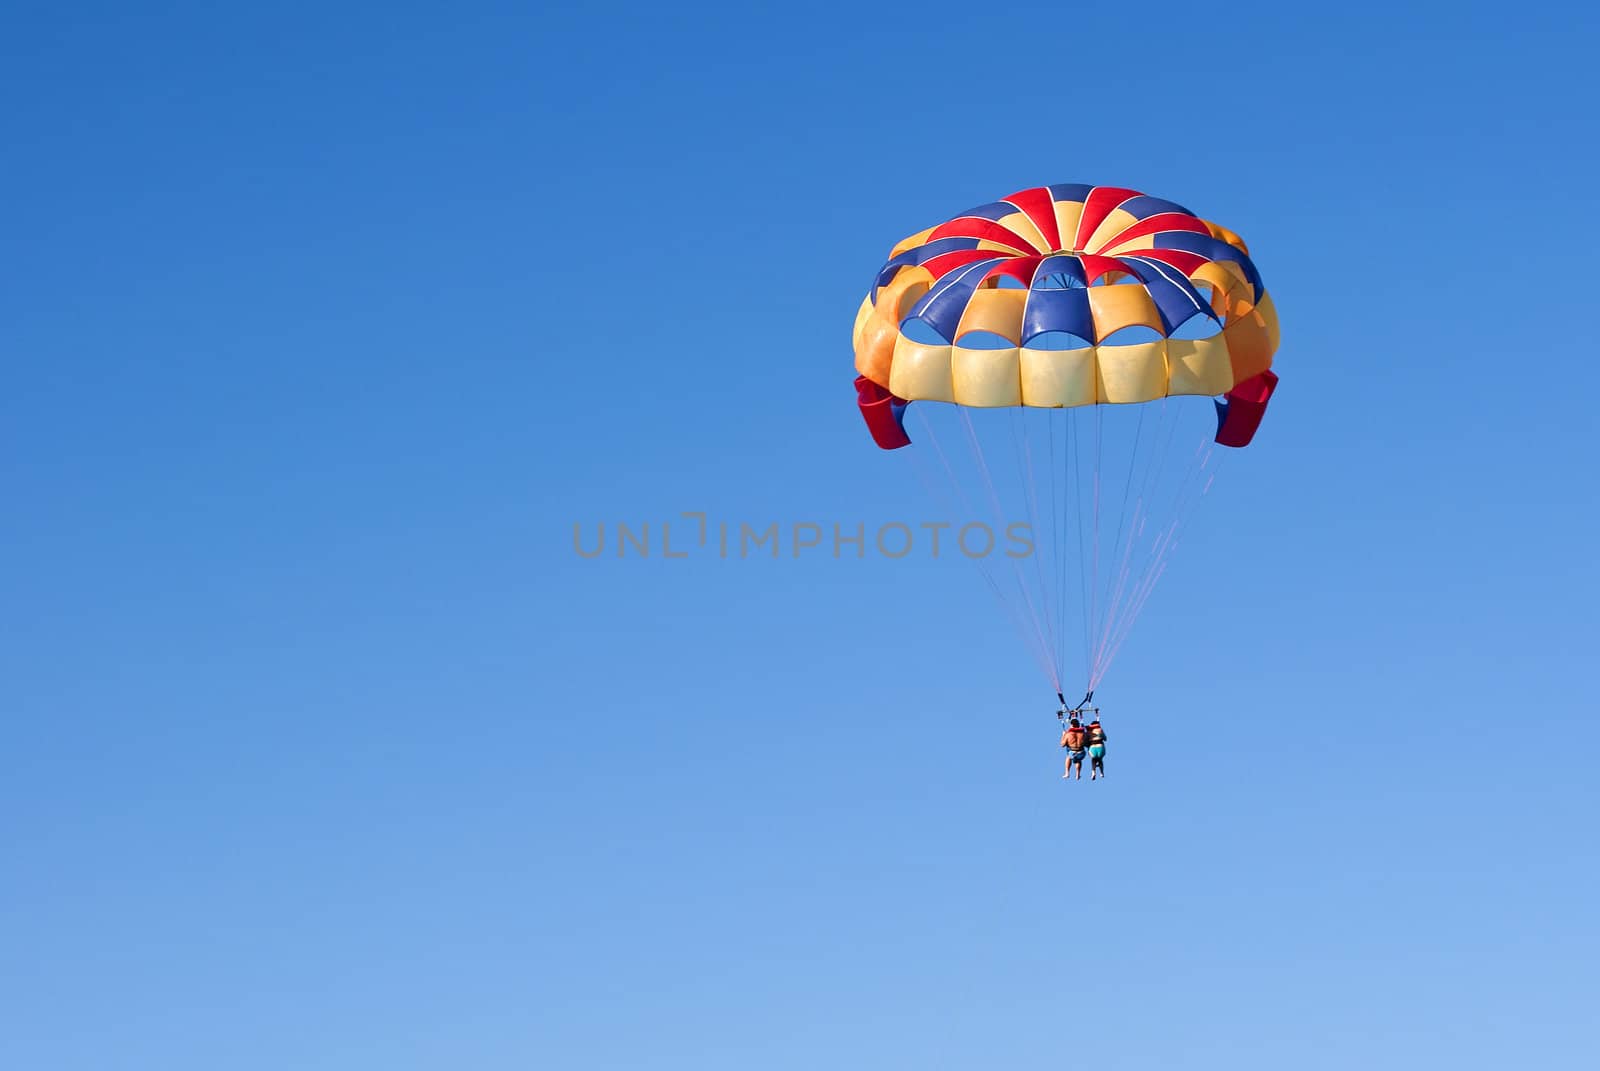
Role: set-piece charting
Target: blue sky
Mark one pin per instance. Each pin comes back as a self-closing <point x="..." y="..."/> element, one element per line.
<point x="322" y="749"/>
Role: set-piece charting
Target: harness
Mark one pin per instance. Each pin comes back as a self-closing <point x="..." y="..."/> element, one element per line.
<point x="1078" y="712"/>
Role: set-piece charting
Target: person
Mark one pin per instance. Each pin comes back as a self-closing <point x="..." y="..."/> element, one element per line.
<point x="1072" y="738"/>
<point x="1097" y="749"/>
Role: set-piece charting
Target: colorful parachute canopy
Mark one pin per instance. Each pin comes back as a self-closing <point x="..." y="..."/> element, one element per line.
<point x="1059" y="322"/>
<point x="1075" y="264"/>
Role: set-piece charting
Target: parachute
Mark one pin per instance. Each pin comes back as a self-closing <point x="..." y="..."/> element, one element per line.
<point x="1067" y="325"/>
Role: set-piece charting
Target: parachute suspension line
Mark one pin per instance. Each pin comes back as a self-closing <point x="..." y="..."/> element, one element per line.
<point x="1157" y="568"/>
<point x="1009" y="606"/>
<point x="1045" y="601"/>
<point x="1197" y="481"/>
<point x="1115" y="604"/>
<point x="1075" y="464"/>
<point x="1127" y="487"/>
<point x="1117" y="576"/>
<point x="1058" y="581"/>
<point x="1016" y="567"/>
<point x="1064" y="561"/>
<point x="1154" y="565"/>
<point x="1134" y="529"/>
<point x="1155" y="466"/>
<point x="1094" y="571"/>
<point x="1006" y="604"/>
<point x="1111" y="584"/>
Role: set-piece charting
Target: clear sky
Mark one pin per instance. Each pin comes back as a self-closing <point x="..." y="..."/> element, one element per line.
<point x="323" y="325"/>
